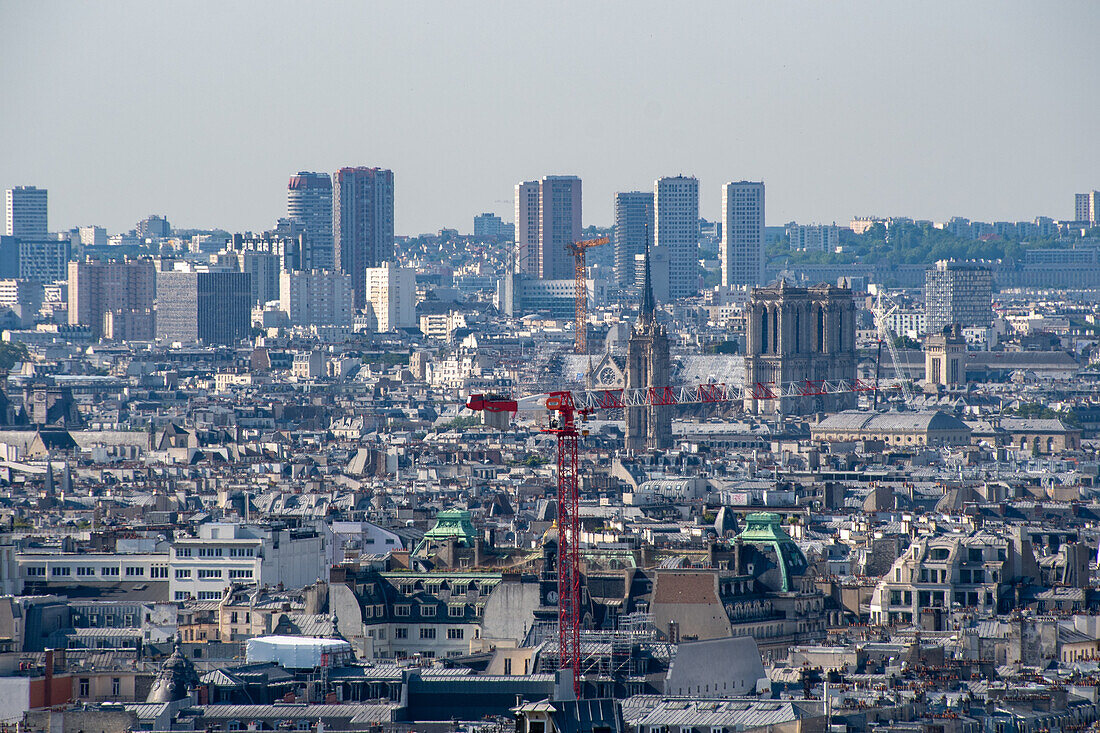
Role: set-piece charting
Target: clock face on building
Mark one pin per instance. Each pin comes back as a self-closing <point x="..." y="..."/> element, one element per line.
<point x="552" y="597"/>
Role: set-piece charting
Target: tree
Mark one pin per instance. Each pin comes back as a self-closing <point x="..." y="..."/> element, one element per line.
<point x="11" y="353"/>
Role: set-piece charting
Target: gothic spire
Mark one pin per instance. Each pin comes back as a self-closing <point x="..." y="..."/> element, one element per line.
<point x="648" y="305"/>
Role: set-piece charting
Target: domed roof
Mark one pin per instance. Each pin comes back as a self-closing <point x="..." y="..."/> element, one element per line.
<point x="176" y="677"/>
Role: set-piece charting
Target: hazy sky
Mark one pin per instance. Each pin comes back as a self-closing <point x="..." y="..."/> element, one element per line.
<point x="201" y="110"/>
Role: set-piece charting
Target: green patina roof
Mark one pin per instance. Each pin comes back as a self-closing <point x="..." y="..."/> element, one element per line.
<point x="452" y="523"/>
<point x="766" y="528"/>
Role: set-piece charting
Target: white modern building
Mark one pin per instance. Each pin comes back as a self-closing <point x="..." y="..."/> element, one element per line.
<point x="1086" y="207"/>
<point x="391" y="295"/>
<point x="814" y="237"/>
<point x="91" y="568"/>
<point x="742" y="251"/>
<point x="316" y="297"/>
<point x="203" y="567"/>
<point x="26" y="212"/>
<point x="676" y="223"/>
<point x="93" y="236"/>
<point x="527" y="228"/>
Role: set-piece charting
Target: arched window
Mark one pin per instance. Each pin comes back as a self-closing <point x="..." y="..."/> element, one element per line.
<point x="775" y="330"/>
<point x="764" y="331"/>
<point x="797" y="332"/>
<point x="820" y="329"/>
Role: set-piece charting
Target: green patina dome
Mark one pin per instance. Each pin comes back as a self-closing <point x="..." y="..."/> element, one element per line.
<point x="451" y="524"/>
<point x="766" y="529"/>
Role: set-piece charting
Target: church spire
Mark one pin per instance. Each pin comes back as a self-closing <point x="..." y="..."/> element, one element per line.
<point x="648" y="305"/>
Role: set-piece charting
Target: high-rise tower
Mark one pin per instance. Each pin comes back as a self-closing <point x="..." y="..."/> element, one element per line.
<point x="633" y="222"/>
<point x="309" y="204"/>
<point x="647" y="365"/>
<point x="676" y="216"/>
<point x="362" y="213"/>
<point x="527" y="228"/>
<point x="559" y="225"/>
<point x="742" y="251"/>
<point x="26" y="212"/>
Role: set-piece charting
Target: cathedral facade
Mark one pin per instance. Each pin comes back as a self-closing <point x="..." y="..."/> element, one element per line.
<point x="803" y="336"/>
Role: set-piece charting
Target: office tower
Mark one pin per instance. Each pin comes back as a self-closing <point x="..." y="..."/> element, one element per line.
<point x="798" y="334"/>
<point x="316" y="298"/>
<point x="1086" y="207"/>
<point x="490" y="226"/>
<point x="527" y="228"/>
<point x="559" y="225"/>
<point x="633" y="228"/>
<point x="309" y="204"/>
<point x="957" y="293"/>
<point x="26" y="212"/>
<point x="118" y="294"/>
<point x="362" y="210"/>
<point x="391" y="295"/>
<point x="154" y="226"/>
<point x="742" y="251"/>
<point x="44" y="260"/>
<point x="209" y="307"/>
<point x="676" y="220"/>
<point x="647" y="366"/>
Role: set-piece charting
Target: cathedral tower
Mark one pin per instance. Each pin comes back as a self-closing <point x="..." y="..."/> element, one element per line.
<point x="647" y="366"/>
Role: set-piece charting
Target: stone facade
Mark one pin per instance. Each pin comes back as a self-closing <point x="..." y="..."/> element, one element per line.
<point x="794" y="335"/>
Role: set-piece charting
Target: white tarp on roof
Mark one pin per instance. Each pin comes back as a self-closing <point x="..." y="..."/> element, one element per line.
<point x="298" y="652"/>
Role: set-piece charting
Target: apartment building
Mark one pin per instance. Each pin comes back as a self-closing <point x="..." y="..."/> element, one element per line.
<point x="203" y="567"/>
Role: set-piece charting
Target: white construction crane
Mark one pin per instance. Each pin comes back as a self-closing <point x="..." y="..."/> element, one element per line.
<point x="884" y="308"/>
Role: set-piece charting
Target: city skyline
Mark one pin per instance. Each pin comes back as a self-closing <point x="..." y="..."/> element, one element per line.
<point x="883" y="123"/>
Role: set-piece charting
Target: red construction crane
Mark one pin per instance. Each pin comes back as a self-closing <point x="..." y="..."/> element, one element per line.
<point x="563" y="409"/>
<point x="580" y="290"/>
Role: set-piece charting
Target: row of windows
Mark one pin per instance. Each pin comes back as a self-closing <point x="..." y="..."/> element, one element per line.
<point x="404" y="609"/>
<point x="216" y="552"/>
<point x="206" y="573"/>
<point x="203" y="595"/>
<point x="87" y="571"/>
<point x="426" y="632"/>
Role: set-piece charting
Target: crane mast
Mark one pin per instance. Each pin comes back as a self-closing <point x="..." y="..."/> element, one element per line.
<point x="580" y="291"/>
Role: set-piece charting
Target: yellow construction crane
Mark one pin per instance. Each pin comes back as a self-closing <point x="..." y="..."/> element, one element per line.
<point x="580" y="290"/>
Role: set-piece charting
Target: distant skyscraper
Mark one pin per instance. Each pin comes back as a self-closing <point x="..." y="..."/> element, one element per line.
<point x="633" y="225"/>
<point x="742" y="251"/>
<point x="957" y="292"/>
<point x="362" y="210"/>
<point x="26" y="212"/>
<point x="116" y="293"/>
<point x="676" y="219"/>
<point x="527" y="228"/>
<point x="211" y="307"/>
<point x="1086" y="207"/>
<point x="309" y="204"/>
